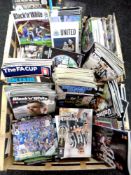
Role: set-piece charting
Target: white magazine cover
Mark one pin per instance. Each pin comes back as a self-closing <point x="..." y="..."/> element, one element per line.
<point x="64" y="33"/>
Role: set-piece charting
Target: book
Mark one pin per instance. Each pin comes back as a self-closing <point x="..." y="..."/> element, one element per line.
<point x="113" y="147"/>
<point x="74" y="128"/>
<point x="32" y="26"/>
<point x="34" y="138"/>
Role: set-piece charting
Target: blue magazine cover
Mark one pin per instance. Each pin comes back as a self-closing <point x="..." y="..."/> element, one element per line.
<point x="34" y="138"/>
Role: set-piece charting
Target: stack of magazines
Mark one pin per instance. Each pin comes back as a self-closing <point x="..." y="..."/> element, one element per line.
<point x="24" y="97"/>
<point x="79" y="105"/>
<point x="101" y="30"/>
<point x="107" y="65"/>
<point x="72" y="90"/>
<point x="34" y="132"/>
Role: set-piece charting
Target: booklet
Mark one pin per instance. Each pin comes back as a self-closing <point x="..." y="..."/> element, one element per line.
<point x="113" y="147"/>
<point x="74" y="128"/>
<point x="65" y="35"/>
<point x="34" y="138"/>
<point x="65" y="29"/>
<point x="32" y="26"/>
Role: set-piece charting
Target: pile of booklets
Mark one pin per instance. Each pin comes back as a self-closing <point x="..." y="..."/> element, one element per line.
<point x="101" y="30"/>
<point x="66" y="87"/>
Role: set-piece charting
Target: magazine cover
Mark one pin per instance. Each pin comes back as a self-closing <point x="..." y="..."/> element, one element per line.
<point x="74" y="96"/>
<point x="65" y="35"/>
<point x="74" y="100"/>
<point x="32" y="26"/>
<point x="34" y="138"/>
<point x="112" y="146"/>
<point x="63" y="57"/>
<point x="74" y="128"/>
<point x="31" y="106"/>
<point x="18" y="70"/>
<point x="30" y="51"/>
<point x="75" y="89"/>
<point x="103" y="100"/>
